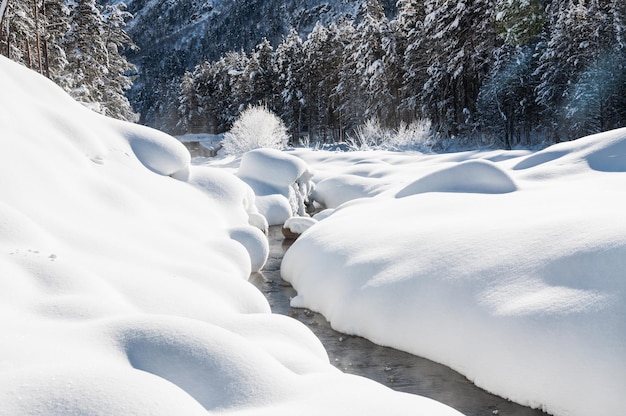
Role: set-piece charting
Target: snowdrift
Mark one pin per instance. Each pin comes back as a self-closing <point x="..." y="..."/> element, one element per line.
<point x="281" y="182"/>
<point x="509" y="267"/>
<point x="123" y="286"/>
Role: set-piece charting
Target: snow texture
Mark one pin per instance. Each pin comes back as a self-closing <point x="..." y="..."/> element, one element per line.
<point x="506" y="266"/>
<point x="282" y="183"/>
<point x="298" y="225"/>
<point x="124" y="291"/>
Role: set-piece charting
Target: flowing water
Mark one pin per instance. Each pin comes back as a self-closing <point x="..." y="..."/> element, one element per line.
<point x="396" y="369"/>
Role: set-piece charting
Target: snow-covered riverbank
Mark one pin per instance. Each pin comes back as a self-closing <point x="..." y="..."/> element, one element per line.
<point x="507" y="266"/>
<point x="356" y="355"/>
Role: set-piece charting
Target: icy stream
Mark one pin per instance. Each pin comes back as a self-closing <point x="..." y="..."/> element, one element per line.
<point x="395" y="369"/>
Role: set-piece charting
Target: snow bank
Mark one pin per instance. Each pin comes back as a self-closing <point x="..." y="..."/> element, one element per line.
<point x="281" y="182"/>
<point x="515" y="279"/>
<point x="476" y="176"/>
<point x="124" y="291"/>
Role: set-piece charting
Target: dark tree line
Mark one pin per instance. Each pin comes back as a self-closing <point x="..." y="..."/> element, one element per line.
<point x="78" y="44"/>
<point x="503" y="71"/>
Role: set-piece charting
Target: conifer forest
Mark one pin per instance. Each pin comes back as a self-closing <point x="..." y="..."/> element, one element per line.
<point x="498" y="72"/>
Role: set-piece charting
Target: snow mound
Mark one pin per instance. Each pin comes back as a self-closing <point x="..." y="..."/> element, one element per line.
<point x="255" y="242"/>
<point x="185" y="352"/>
<point x="279" y="180"/>
<point x="230" y="192"/>
<point x="157" y="151"/>
<point x="272" y="167"/>
<point x="473" y="176"/>
<point x="336" y="190"/>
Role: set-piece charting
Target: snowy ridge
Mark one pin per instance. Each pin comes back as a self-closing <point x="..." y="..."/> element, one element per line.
<point x="506" y="266"/>
<point x="124" y="291"/>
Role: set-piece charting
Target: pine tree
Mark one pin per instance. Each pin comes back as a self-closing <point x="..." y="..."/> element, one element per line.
<point x="458" y="41"/>
<point x="258" y="78"/>
<point x="582" y="68"/>
<point x="505" y="103"/>
<point x="348" y="93"/>
<point x="289" y="65"/>
<point x="377" y="61"/>
<point x="410" y="26"/>
<point x="17" y="33"/>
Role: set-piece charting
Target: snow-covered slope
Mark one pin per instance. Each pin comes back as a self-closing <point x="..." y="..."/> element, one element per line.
<point x="509" y="267"/>
<point x="121" y="289"/>
<point x="174" y="36"/>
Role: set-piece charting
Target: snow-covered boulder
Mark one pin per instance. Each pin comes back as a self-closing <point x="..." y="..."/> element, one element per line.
<point x="281" y="182"/>
<point x="295" y="226"/>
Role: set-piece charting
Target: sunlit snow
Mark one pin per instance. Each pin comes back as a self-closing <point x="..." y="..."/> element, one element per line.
<point x="124" y="269"/>
<point x="508" y="266"/>
<point x="123" y="279"/>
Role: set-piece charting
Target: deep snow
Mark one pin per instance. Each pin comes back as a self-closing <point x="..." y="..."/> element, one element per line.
<point x="508" y="267"/>
<point x="124" y="269"/>
<point x="123" y="279"/>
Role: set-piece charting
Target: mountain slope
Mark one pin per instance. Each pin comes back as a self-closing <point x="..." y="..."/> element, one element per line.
<point x="174" y="36"/>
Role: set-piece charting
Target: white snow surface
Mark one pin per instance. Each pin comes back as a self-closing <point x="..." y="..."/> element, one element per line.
<point x="281" y="182"/>
<point x="508" y="266"/>
<point x="123" y="291"/>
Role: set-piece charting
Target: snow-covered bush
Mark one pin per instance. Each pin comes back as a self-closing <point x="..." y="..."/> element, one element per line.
<point x="371" y="135"/>
<point x="256" y="127"/>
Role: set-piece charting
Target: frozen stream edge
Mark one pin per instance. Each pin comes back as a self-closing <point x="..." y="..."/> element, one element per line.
<point x="396" y="369"/>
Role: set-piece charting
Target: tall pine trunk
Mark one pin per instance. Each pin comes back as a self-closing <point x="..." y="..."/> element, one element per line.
<point x="37" y="36"/>
<point x="3" y="8"/>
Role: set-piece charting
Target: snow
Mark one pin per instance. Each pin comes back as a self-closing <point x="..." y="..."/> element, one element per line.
<point x="506" y="266"/>
<point x="124" y="269"/>
<point x="298" y="225"/>
<point x="124" y="279"/>
<point x="255" y="242"/>
<point x="282" y="183"/>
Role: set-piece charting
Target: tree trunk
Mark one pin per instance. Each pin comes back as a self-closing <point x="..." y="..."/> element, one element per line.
<point x="44" y="45"/>
<point x="3" y="8"/>
<point x="37" y="37"/>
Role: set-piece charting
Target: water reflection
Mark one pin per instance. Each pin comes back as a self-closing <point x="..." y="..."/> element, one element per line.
<point x="395" y="369"/>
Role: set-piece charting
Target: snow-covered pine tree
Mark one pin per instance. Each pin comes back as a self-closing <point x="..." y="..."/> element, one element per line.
<point x="258" y="78"/>
<point x="231" y="86"/>
<point x="581" y="68"/>
<point x="347" y="92"/>
<point x="322" y="60"/>
<point x="18" y="32"/>
<point x="458" y="42"/>
<point x="120" y="72"/>
<point x="333" y="59"/>
<point x="410" y="26"/>
<point x="506" y="104"/>
<point x="378" y="64"/>
<point x="289" y="65"/>
<point x="190" y="111"/>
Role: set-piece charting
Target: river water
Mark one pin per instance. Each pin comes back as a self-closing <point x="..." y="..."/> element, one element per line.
<point x="396" y="369"/>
